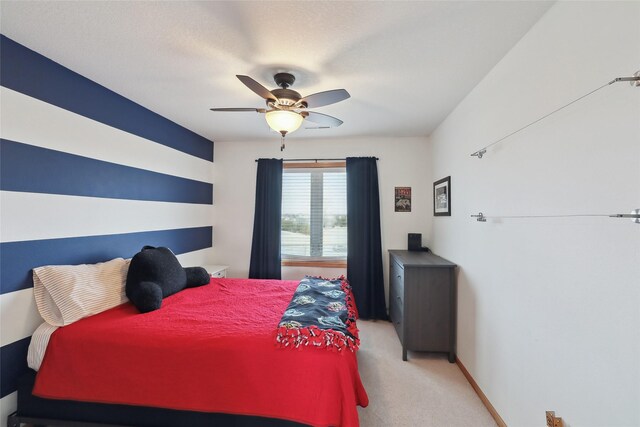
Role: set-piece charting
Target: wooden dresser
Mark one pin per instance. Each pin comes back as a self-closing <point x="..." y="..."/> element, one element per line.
<point x="423" y="301"/>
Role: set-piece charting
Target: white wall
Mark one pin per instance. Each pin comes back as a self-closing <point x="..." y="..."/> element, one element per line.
<point x="549" y="309"/>
<point x="403" y="163"/>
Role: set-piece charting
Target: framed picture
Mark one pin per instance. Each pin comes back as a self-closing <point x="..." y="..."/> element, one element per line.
<point x="403" y="199"/>
<point x="442" y="197"/>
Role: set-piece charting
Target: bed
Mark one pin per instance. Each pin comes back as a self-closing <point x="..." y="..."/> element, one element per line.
<point x="210" y="356"/>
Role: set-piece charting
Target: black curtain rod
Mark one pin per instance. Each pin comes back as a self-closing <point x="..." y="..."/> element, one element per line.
<point x="313" y="160"/>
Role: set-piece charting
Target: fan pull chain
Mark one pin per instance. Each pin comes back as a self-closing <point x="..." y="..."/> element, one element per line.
<point x="282" y="143"/>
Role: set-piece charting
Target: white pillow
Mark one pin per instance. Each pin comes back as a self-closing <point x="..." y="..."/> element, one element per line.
<point x="66" y="293"/>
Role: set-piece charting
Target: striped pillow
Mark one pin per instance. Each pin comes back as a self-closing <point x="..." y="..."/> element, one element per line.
<point x="66" y="293"/>
<point x="38" y="345"/>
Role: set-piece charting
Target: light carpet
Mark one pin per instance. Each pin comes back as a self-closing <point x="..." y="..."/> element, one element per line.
<point x="426" y="390"/>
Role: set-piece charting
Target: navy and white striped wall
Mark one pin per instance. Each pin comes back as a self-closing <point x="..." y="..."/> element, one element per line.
<point x="86" y="175"/>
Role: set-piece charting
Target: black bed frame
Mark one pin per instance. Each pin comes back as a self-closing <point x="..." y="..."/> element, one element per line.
<point x="49" y="412"/>
<point x="15" y="420"/>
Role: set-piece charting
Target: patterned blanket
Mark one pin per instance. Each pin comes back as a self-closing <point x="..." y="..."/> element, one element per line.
<point x="322" y="313"/>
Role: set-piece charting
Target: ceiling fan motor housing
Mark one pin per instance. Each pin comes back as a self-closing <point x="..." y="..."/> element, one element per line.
<point x="286" y="97"/>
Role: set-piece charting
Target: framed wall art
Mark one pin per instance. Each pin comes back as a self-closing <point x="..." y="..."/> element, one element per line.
<point x="403" y="199"/>
<point x="442" y="197"/>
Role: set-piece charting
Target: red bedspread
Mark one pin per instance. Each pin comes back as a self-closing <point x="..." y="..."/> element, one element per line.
<point x="209" y="349"/>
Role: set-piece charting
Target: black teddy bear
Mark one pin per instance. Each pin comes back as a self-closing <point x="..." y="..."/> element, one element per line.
<point x="156" y="273"/>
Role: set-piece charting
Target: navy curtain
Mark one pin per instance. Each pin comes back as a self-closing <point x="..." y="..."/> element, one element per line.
<point x="364" y="245"/>
<point x="265" y="248"/>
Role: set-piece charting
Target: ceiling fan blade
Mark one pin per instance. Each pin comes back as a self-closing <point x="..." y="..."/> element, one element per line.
<point x="322" y="119"/>
<point x="255" y="110"/>
<point x="256" y="87"/>
<point x="325" y="98"/>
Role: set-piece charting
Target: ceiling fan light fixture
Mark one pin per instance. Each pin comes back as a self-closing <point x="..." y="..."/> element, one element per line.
<point x="284" y="121"/>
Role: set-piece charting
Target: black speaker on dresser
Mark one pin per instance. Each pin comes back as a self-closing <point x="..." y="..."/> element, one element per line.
<point x="414" y="242"/>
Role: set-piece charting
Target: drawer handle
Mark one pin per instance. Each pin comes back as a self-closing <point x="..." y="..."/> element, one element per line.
<point x="399" y="299"/>
<point x="399" y="276"/>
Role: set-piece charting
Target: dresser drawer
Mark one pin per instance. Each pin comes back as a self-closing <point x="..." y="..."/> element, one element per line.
<point x="396" y="314"/>
<point x="396" y="278"/>
<point x="219" y="274"/>
<point x="396" y="296"/>
<point x="216" y="271"/>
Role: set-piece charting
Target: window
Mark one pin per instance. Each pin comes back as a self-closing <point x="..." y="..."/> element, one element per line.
<point x="314" y="214"/>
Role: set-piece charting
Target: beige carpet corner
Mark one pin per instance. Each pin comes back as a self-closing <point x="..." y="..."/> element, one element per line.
<point x="426" y="390"/>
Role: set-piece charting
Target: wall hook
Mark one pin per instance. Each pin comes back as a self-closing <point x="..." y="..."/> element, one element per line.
<point x="634" y="215"/>
<point x="480" y="217"/>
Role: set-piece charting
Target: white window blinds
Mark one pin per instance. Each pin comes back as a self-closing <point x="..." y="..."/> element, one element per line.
<point x="314" y="214"/>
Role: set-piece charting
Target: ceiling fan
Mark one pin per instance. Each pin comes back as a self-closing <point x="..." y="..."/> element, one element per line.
<point x="286" y="108"/>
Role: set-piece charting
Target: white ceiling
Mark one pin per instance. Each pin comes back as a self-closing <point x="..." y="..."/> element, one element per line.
<point x="405" y="64"/>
